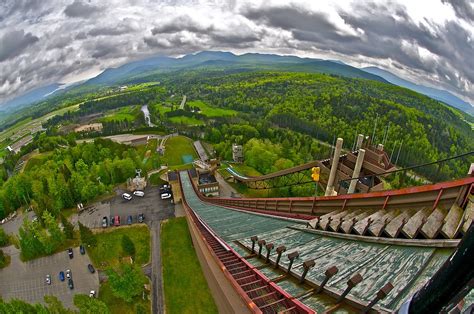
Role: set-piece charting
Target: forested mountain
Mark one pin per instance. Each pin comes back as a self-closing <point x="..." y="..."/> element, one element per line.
<point x="327" y="106"/>
<point x="434" y="93"/>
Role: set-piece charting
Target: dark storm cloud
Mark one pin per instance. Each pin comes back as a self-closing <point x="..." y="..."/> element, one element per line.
<point x="463" y="8"/>
<point x="14" y="42"/>
<point x="47" y="41"/>
<point x="81" y="9"/>
<point x="386" y="32"/>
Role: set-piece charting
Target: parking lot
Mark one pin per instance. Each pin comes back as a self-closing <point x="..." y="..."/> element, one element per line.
<point x="27" y="281"/>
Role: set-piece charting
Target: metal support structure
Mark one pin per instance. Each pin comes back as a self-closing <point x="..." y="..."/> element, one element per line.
<point x="269" y="248"/>
<point x="306" y="267"/>
<point x="381" y="294"/>
<point x="261" y="243"/>
<point x="292" y="257"/>
<point x="330" y="272"/>
<point x="280" y="251"/>
<point x="253" y="239"/>
<point x="351" y="283"/>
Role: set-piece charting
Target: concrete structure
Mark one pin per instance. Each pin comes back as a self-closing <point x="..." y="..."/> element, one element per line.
<point x="93" y="127"/>
<point x="15" y="147"/>
<point x="356" y="173"/>
<point x="334" y="166"/>
<point x="360" y="140"/>
<point x="201" y="151"/>
<point x="237" y="153"/>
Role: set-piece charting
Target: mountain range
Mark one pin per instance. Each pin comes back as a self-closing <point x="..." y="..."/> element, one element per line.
<point x="143" y="68"/>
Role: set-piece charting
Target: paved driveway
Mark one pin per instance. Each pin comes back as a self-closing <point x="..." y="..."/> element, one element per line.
<point x="26" y="281"/>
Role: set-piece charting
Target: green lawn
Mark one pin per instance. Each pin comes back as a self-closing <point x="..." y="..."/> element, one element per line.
<point x="156" y="180"/>
<point x="211" y="111"/>
<point x="176" y="147"/>
<point x="117" y="305"/>
<point x="186" y="120"/>
<point x="108" y="251"/>
<point x="246" y="170"/>
<point x="186" y="289"/>
<point x="37" y="160"/>
<point x="126" y="113"/>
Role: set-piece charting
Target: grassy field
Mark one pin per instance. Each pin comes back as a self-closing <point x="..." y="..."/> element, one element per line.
<point x="117" y="305"/>
<point x="176" y="147"/>
<point x="186" y="289"/>
<point x="211" y="111"/>
<point x="156" y="180"/>
<point x="186" y="120"/>
<point x="36" y="160"/>
<point x="122" y="114"/>
<point x="246" y="170"/>
<point x="108" y="251"/>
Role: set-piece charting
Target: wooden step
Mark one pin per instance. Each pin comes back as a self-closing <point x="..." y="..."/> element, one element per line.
<point x="413" y="225"/>
<point x="347" y="225"/>
<point x="336" y="222"/>
<point x="324" y="223"/>
<point x="377" y="226"/>
<point x="468" y="215"/>
<point x="452" y="222"/>
<point x="434" y="222"/>
<point x="362" y="225"/>
<point x="393" y="228"/>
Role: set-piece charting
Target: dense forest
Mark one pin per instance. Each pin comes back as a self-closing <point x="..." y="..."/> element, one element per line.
<point x="327" y="106"/>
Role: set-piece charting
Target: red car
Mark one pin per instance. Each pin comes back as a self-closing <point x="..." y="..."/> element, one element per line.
<point x="117" y="221"/>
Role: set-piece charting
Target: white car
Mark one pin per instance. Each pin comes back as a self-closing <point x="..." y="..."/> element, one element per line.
<point x="126" y="196"/>
<point x="92" y="294"/>
<point x="68" y="273"/>
<point x="139" y="193"/>
<point x="165" y="196"/>
<point x="48" y="279"/>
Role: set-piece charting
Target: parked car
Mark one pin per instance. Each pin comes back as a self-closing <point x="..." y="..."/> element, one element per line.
<point x="139" y="193"/>
<point x="105" y="222"/>
<point x="129" y="220"/>
<point x="68" y="274"/>
<point x="117" y="221"/>
<point x="165" y="195"/>
<point x="141" y="218"/>
<point x="126" y="196"/>
<point x="82" y="249"/>
<point x="111" y="221"/>
<point x="91" y="268"/>
<point x="92" y="294"/>
<point x="70" y="283"/>
<point x="70" y="253"/>
<point x="61" y="275"/>
<point x="48" y="279"/>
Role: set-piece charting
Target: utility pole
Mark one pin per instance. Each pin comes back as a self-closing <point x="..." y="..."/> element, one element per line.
<point x="375" y="127"/>
<point x="399" y="149"/>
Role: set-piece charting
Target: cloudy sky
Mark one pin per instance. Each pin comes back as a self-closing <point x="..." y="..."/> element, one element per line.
<point x="47" y="41"/>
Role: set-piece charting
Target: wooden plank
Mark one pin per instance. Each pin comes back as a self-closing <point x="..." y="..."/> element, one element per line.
<point x="324" y="223"/>
<point x="433" y="224"/>
<point x="377" y="226"/>
<point x="347" y="225"/>
<point x="413" y="225"/>
<point x="452" y="221"/>
<point x="393" y="228"/>
<point x="337" y="221"/>
<point x="362" y="225"/>
<point x="468" y="215"/>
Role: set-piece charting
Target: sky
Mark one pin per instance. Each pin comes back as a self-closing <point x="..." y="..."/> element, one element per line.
<point x="48" y="41"/>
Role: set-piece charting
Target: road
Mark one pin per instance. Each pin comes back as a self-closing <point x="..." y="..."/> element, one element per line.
<point x="156" y="275"/>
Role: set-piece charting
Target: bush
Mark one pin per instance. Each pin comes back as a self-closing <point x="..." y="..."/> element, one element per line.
<point x="87" y="237"/>
<point x="128" y="283"/>
<point x="4" y="241"/>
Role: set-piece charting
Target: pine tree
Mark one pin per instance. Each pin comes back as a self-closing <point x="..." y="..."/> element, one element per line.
<point x="68" y="228"/>
<point x="87" y="237"/>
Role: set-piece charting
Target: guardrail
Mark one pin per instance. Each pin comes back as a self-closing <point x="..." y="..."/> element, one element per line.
<point x="441" y="194"/>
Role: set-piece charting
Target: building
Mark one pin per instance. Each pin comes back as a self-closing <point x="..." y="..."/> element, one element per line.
<point x="237" y="153"/>
<point x="207" y="184"/>
<point x="93" y="127"/>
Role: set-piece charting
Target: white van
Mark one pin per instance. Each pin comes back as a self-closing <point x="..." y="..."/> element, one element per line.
<point x="139" y="193"/>
<point x="126" y="196"/>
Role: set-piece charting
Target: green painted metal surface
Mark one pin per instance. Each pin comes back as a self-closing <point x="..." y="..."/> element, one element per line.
<point x="406" y="267"/>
